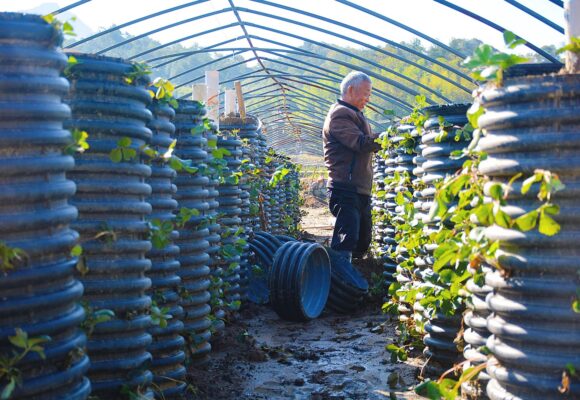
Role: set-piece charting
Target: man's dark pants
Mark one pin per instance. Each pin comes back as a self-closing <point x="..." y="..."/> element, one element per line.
<point x="353" y="228"/>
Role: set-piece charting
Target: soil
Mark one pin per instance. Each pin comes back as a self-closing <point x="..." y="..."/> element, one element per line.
<point x="335" y="356"/>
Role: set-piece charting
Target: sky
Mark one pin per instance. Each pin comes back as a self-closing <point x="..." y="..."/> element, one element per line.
<point x="427" y="16"/>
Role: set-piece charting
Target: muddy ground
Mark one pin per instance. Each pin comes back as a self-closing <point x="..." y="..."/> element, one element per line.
<point x="261" y="356"/>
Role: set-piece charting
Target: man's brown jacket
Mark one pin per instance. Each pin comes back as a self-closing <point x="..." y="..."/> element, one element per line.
<point x="349" y="145"/>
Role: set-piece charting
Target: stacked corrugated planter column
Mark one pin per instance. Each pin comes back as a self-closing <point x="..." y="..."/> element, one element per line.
<point x="247" y="130"/>
<point x="435" y="163"/>
<point x="533" y="123"/>
<point x="167" y="347"/>
<point x="39" y="293"/>
<point x="230" y="209"/>
<point x="273" y="205"/>
<point x="214" y="238"/>
<point x="291" y="210"/>
<point x="264" y="200"/>
<point x="399" y="168"/>
<point x="383" y="230"/>
<point x="192" y="195"/>
<point x="475" y="336"/>
<point x="111" y="199"/>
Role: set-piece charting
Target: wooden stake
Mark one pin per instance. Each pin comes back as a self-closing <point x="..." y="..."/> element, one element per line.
<point x="241" y="104"/>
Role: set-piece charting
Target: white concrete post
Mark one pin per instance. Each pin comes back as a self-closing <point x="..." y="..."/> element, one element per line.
<point x="212" y="80"/>
<point x="199" y="92"/>
<point x="230" y="102"/>
<point x="572" y="14"/>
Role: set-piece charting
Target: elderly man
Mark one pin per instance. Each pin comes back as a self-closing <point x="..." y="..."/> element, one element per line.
<point x="349" y="145"/>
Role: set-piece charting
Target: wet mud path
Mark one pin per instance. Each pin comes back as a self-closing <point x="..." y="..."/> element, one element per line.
<point x="333" y="357"/>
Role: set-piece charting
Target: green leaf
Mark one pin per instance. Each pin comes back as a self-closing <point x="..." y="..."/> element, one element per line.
<point x="547" y="225"/>
<point x="129" y="154"/>
<point x="511" y="40"/>
<point x="68" y="29"/>
<point x="501" y="218"/>
<point x="400" y="198"/>
<point x="527" y="221"/>
<point x="76" y="251"/>
<point x="573" y="46"/>
<point x="458" y="183"/>
<point x="8" y="389"/>
<point x="116" y="155"/>
<point x="429" y="389"/>
<point x="19" y="340"/>
<point x="124" y="142"/>
<point x="496" y="191"/>
<point x="49" y="18"/>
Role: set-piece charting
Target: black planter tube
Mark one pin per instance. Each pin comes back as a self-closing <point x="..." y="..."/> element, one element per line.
<point x="111" y="199"/>
<point x="533" y="123"/>
<point x="167" y="347"/>
<point x="192" y="193"/>
<point x="40" y="295"/>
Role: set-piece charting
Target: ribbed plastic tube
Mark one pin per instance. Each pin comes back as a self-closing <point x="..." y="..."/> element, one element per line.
<point x="40" y="294"/>
<point x="247" y="131"/>
<point x="214" y="238"/>
<point x="272" y="200"/>
<point x="291" y="209"/>
<point x="348" y="287"/>
<point x="192" y="194"/>
<point x="263" y="247"/>
<point x="264" y="210"/>
<point x="111" y="199"/>
<point x="475" y="337"/>
<point x="299" y="281"/>
<point x="435" y="164"/>
<point x="533" y="123"/>
<point x="167" y="347"/>
<point x="230" y="203"/>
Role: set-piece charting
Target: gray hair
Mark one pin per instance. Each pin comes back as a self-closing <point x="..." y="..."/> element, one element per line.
<point x="354" y="78"/>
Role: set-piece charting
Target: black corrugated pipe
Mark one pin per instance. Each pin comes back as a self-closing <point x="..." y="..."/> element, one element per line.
<point x="475" y="337"/>
<point x="214" y="238"/>
<point x="111" y="199"/>
<point x="532" y="122"/>
<point x="442" y="135"/>
<point x="263" y="247"/>
<point x="299" y="281"/>
<point x="192" y="196"/>
<point x="39" y="293"/>
<point x="348" y="287"/>
<point x="167" y="347"/>
<point x="230" y="204"/>
<point x="247" y="130"/>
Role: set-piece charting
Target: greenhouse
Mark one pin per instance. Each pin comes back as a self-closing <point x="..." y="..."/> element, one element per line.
<point x="267" y="199"/>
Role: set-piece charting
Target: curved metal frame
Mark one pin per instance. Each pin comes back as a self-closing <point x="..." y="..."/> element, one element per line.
<point x="288" y="102"/>
<point x="494" y="26"/>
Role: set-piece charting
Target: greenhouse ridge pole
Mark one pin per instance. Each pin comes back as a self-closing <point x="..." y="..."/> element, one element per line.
<point x="250" y="43"/>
